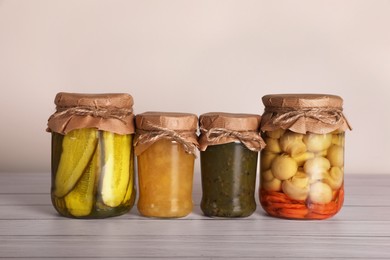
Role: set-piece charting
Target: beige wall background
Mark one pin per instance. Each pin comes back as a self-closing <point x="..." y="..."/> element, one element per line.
<point x="193" y="56"/>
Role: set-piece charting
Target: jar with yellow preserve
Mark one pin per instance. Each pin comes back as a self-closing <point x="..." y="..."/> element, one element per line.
<point x="92" y="155"/>
<point x="302" y="165"/>
<point x="165" y="145"/>
<point x="229" y="145"/>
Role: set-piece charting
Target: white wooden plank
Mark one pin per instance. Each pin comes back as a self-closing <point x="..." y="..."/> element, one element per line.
<point x="47" y="212"/>
<point x="125" y="227"/>
<point x="25" y="199"/>
<point x="15" y="183"/>
<point x="195" y="258"/>
<point x="28" y="223"/>
<point x="353" y="197"/>
<point x="195" y="246"/>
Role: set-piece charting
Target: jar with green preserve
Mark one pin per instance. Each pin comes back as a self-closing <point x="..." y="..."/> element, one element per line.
<point x="229" y="145"/>
<point x="92" y="155"/>
<point x="302" y="166"/>
<point x="165" y="146"/>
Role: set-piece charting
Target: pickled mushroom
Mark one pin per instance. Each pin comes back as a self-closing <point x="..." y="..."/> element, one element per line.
<point x="320" y="193"/>
<point x="303" y="157"/>
<point x="275" y="134"/>
<point x="267" y="175"/>
<point x="297" y="187"/>
<point x="292" y="143"/>
<point x="272" y="145"/>
<point x="321" y="153"/>
<point x="266" y="160"/>
<point x="284" y="167"/>
<point x="336" y="155"/>
<point x="317" y="142"/>
<point x="316" y="165"/>
<point x="269" y="182"/>
<point x="273" y="185"/>
<point x="338" y="139"/>
<point x="334" y="178"/>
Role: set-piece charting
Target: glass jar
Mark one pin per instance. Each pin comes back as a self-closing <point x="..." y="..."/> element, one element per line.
<point x="92" y="155"/>
<point x="229" y="145"/>
<point x="302" y="166"/>
<point x="165" y="147"/>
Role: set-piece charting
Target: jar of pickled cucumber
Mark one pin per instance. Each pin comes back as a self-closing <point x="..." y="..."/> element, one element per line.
<point x="92" y="155"/>
<point x="165" y="145"/>
<point x="302" y="166"/>
<point x="229" y="145"/>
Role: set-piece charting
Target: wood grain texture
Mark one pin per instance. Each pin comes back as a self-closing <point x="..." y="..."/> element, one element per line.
<point x="30" y="228"/>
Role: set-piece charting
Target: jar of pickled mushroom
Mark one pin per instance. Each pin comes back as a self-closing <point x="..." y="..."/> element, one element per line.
<point x="92" y="155"/>
<point x="302" y="166"/>
<point x="229" y="145"/>
<point x="165" y="145"/>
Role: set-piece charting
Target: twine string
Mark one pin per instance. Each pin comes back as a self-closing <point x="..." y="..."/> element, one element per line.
<point x="159" y="132"/>
<point x="285" y="116"/>
<point x="102" y="112"/>
<point x="214" y="135"/>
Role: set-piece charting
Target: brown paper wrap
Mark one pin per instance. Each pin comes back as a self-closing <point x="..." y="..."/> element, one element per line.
<point x="154" y="126"/>
<point x="107" y="112"/>
<point x="221" y="128"/>
<point x="303" y="113"/>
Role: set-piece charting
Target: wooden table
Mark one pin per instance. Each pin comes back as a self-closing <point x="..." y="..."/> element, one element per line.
<point x="30" y="228"/>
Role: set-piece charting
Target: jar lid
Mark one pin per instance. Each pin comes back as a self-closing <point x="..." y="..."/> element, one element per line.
<point x="303" y="113"/>
<point x="302" y="100"/>
<point x="107" y="100"/>
<point x="172" y="120"/>
<point x="111" y="112"/>
<point x="221" y="128"/>
<point x="236" y="122"/>
<point x="154" y="126"/>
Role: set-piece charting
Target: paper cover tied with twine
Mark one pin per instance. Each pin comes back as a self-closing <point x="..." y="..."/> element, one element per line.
<point x="107" y="112"/>
<point x="154" y="126"/>
<point x="221" y="128"/>
<point x="304" y="113"/>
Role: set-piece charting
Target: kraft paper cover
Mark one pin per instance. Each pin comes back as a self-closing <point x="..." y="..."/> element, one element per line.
<point x="154" y="126"/>
<point x="107" y="112"/>
<point x="221" y="128"/>
<point x="303" y="113"/>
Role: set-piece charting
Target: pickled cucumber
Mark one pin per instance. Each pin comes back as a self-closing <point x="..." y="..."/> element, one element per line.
<point x="79" y="201"/>
<point x="115" y="168"/>
<point x="56" y="147"/>
<point x="130" y="190"/>
<point x="78" y="147"/>
<point x="59" y="205"/>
